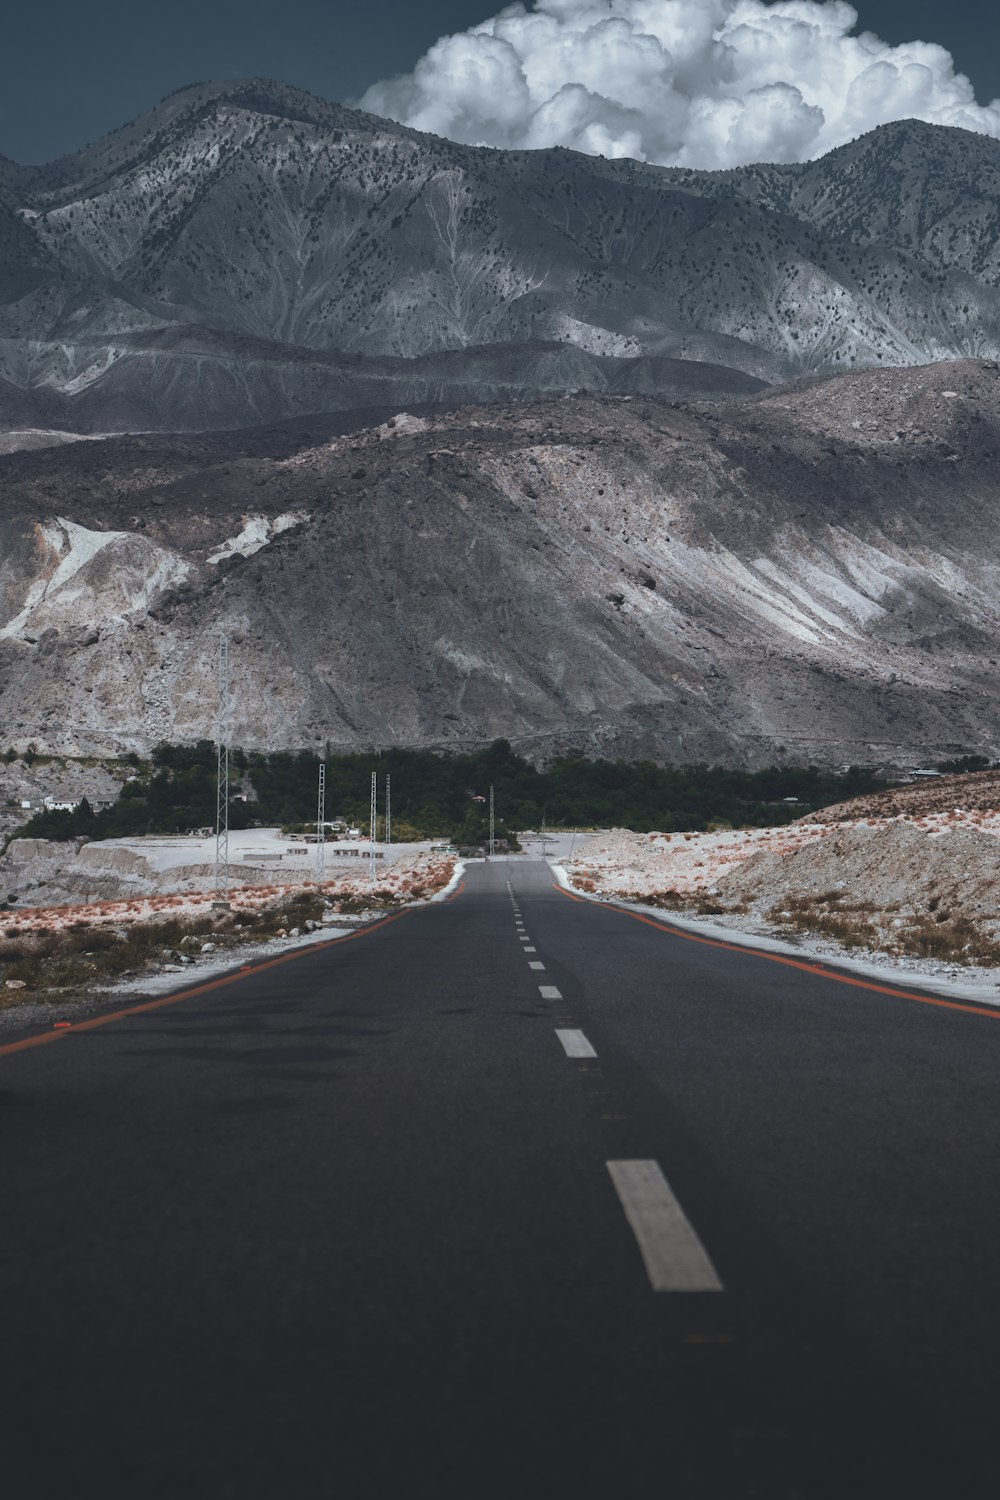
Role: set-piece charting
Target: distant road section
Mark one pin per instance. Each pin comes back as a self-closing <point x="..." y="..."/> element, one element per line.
<point x="424" y="1214"/>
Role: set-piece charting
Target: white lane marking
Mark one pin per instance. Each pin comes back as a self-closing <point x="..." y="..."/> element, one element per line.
<point x="531" y="950"/>
<point x="673" y="1255"/>
<point x="534" y="963"/>
<point x="525" y="940"/>
<point x="549" y="992"/>
<point x="575" y="1044"/>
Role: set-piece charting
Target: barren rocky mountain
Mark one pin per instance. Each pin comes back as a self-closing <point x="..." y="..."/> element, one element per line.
<point x="808" y="574"/>
<point x="246" y="251"/>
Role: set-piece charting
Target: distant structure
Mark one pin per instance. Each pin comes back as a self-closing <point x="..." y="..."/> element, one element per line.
<point x="388" y="811"/>
<point x="222" y="779"/>
<point x="492" y="827"/>
<point x="374" y="828"/>
<point x="321" y="825"/>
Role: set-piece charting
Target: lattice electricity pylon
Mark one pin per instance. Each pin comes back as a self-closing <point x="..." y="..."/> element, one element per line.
<point x="222" y="778"/>
<point x="374" y="828"/>
<point x="492" y="826"/>
<point x="388" y="810"/>
<point x="321" y="826"/>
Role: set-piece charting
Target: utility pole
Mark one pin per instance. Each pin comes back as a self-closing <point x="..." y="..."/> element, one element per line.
<point x="321" y="825"/>
<point x="492" y="826"/>
<point x="388" y="811"/>
<point x="374" y="828"/>
<point x="222" y="778"/>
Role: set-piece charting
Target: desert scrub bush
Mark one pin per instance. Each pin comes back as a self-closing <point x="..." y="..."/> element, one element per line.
<point x="669" y="900"/>
<point x="935" y="933"/>
<point x="957" y="939"/>
<point x="799" y="914"/>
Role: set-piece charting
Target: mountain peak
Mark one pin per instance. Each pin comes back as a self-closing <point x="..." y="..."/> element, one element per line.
<point x="282" y="222"/>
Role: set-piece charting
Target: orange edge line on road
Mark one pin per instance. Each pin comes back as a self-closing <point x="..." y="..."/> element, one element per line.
<point x="791" y="963"/>
<point x="457" y="891"/>
<point x="202" y="989"/>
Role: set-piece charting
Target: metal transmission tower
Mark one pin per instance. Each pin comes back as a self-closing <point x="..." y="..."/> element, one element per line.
<point x="321" y="825"/>
<point x="222" y="782"/>
<point x="388" y="810"/>
<point x="492" y="826"/>
<point x="374" y="827"/>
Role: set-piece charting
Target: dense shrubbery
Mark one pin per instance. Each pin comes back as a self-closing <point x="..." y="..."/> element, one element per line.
<point x="434" y="794"/>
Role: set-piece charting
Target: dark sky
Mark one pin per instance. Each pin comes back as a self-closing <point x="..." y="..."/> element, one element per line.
<point x="70" y="70"/>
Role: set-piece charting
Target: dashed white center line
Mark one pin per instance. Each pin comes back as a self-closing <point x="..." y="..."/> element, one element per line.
<point x="673" y="1255"/>
<point x="531" y="950"/>
<point x="575" y="1044"/>
<point x="534" y="963"/>
<point x="549" y="992"/>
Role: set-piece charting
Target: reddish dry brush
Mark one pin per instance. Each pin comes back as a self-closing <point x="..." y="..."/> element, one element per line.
<point x="66" y="948"/>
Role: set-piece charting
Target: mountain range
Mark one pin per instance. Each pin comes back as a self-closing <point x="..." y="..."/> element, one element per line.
<point x="246" y="252"/>
<point x="809" y="574"/>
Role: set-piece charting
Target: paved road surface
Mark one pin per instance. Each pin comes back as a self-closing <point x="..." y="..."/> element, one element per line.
<point x="346" y="1227"/>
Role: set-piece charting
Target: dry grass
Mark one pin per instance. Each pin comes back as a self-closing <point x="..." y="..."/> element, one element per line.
<point x="933" y="933"/>
<point x="43" y="961"/>
<point x="703" y="906"/>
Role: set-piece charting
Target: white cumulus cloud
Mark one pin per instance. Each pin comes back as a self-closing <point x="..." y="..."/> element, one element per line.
<point x="706" y="83"/>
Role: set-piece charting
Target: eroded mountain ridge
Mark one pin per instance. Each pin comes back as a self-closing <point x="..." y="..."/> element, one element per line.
<point x="246" y="251"/>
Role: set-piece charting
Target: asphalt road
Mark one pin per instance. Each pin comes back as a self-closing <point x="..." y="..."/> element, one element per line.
<point x="345" y="1226"/>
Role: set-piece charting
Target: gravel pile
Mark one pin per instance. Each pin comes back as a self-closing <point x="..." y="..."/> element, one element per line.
<point x="887" y="866"/>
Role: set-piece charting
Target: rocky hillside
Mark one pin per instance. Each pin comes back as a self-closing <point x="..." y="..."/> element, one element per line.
<point x="811" y="574"/>
<point x="246" y="251"/>
<point x="978" y="792"/>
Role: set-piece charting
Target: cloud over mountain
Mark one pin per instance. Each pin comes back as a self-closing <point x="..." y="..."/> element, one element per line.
<point x="704" y="83"/>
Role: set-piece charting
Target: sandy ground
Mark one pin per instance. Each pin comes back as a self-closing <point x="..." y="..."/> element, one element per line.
<point x="895" y="865"/>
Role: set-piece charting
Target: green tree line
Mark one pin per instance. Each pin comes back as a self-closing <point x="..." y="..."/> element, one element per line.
<point x="434" y="794"/>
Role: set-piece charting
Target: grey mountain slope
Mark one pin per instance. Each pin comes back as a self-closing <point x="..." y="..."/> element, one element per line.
<point x="808" y="574"/>
<point x="260" y="212"/>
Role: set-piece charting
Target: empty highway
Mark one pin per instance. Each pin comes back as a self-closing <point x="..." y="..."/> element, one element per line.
<point x="514" y="1195"/>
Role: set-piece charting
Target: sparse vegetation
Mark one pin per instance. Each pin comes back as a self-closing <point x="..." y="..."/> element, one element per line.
<point x="933" y="933"/>
<point x="43" y="961"/>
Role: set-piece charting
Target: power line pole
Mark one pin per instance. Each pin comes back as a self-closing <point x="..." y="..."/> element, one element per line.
<point x="222" y="778"/>
<point x="492" y="826"/>
<point x="388" y="811"/>
<point x="374" y="828"/>
<point x="321" y="825"/>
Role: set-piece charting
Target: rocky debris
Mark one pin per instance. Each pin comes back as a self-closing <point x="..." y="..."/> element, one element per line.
<point x="620" y="862"/>
<point x="887" y="866"/>
<point x="489" y="576"/>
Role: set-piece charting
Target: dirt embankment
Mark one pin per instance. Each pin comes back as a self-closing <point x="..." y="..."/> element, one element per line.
<point x="909" y="875"/>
